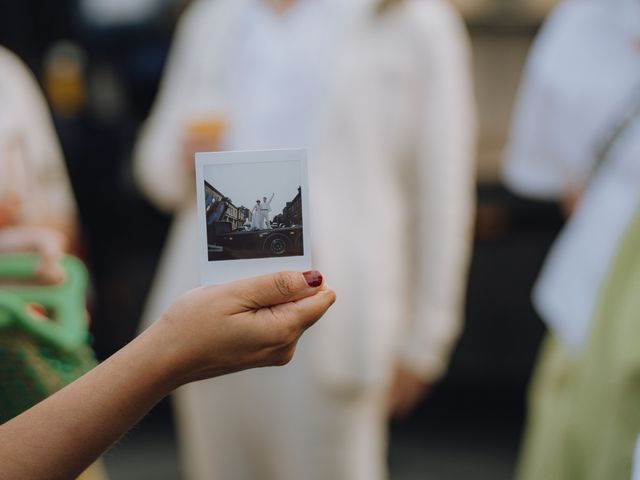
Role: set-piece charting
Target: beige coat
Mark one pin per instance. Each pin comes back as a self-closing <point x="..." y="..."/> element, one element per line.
<point x="397" y="133"/>
<point x="405" y="93"/>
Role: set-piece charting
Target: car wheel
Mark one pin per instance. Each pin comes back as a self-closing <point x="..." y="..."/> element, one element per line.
<point x="277" y="244"/>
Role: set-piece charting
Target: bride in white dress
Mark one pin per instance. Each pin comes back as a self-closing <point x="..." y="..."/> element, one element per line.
<point x="256" y="218"/>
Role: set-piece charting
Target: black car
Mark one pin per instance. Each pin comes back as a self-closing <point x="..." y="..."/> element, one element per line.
<point x="225" y="244"/>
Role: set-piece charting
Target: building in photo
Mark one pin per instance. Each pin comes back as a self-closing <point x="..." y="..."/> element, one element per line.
<point x="236" y="216"/>
<point x="292" y="212"/>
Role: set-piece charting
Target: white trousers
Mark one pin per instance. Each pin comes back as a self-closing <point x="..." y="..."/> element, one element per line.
<point x="277" y="424"/>
<point x="266" y="223"/>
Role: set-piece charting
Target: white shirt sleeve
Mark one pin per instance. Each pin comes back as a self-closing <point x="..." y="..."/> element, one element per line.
<point x="536" y="159"/>
<point x="158" y="162"/>
<point x="447" y="193"/>
<point x="531" y="167"/>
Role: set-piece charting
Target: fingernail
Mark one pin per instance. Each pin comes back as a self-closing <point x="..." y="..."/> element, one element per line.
<point x="313" y="278"/>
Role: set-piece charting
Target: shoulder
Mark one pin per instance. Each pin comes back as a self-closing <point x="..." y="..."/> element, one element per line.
<point x="437" y="27"/>
<point x="202" y="10"/>
<point x="18" y="83"/>
<point x="572" y="14"/>
<point x="438" y="32"/>
<point x="568" y="24"/>
<point x="12" y="70"/>
<point x="202" y="16"/>
<point x="434" y="16"/>
<point x="559" y="47"/>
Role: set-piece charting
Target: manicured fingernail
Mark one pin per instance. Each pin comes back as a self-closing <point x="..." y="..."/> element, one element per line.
<point x="313" y="278"/>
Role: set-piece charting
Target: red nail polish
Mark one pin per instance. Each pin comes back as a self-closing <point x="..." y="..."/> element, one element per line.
<point x="313" y="278"/>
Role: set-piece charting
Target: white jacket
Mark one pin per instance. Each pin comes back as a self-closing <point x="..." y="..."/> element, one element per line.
<point x="398" y="130"/>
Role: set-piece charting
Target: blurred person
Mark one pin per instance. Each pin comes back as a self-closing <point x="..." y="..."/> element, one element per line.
<point x="209" y="332"/>
<point x="34" y="187"/>
<point x="381" y="93"/>
<point x="37" y="207"/>
<point x="576" y="139"/>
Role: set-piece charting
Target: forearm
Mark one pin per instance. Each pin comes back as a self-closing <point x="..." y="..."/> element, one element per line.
<point x="207" y="332"/>
<point x="59" y="438"/>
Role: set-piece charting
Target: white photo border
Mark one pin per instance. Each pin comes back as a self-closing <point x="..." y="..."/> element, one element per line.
<point x="223" y="271"/>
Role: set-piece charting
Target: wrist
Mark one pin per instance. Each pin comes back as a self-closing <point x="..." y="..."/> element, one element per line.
<point x="150" y="358"/>
<point x="171" y="358"/>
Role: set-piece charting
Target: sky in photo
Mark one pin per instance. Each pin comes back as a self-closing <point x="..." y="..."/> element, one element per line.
<point x="244" y="183"/>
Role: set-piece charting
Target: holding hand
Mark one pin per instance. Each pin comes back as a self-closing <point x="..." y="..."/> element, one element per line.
<point x="49" y="243"/>
<point x="207" y="332"/>
<point x="216" y="330"/>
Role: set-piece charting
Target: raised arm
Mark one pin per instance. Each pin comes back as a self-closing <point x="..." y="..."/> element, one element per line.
<point x="208" y="332"/>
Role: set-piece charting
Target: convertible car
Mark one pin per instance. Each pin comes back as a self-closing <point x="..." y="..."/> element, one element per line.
<point x="225" y="244"/>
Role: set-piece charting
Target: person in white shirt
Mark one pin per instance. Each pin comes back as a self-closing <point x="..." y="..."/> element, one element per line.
<point x="576" y="139"/>
<point x="381" y="93"/>
<point x="266" y="209"/>
<point x="256" y="216"/>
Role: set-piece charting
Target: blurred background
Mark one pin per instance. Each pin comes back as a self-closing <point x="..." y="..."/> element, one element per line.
<point x="100" y="63"/>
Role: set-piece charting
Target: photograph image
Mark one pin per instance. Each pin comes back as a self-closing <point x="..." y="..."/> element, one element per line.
<point x="253" y="210"/>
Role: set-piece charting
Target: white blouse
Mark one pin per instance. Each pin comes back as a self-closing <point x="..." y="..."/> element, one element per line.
<point x="273" y="80"/>
<point x="582" y="79"/>
<point x="396" y="131"/>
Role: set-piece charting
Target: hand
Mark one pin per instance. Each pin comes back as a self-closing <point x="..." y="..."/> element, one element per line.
<point x="216" y="330"/>
<point x="570" y="202"/>
<point x="50" y="244"/>
<point x="10" y="208"/>
<point x="407" y="390"/>
<point x="209" y="331"/>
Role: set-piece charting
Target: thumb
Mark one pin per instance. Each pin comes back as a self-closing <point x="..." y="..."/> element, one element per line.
<point x="276" y="288"/>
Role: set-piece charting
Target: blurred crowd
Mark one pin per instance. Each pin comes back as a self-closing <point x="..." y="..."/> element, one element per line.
<point x="441" y="270"/>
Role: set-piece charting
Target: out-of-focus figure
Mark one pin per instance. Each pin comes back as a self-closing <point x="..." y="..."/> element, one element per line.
<point x="576" y="138"/>
<point x="382" y="94"/>
<point x="37" y="207"/>
<point x="34" y="188"/>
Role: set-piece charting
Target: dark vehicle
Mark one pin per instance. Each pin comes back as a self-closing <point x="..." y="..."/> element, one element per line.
<point x="225" y="244"/>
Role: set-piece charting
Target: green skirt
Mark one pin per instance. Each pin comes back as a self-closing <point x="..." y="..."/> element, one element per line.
<point x="584" y="414"/>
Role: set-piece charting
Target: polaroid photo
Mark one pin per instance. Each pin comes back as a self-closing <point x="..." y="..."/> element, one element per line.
<point x="253" y="213"/>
